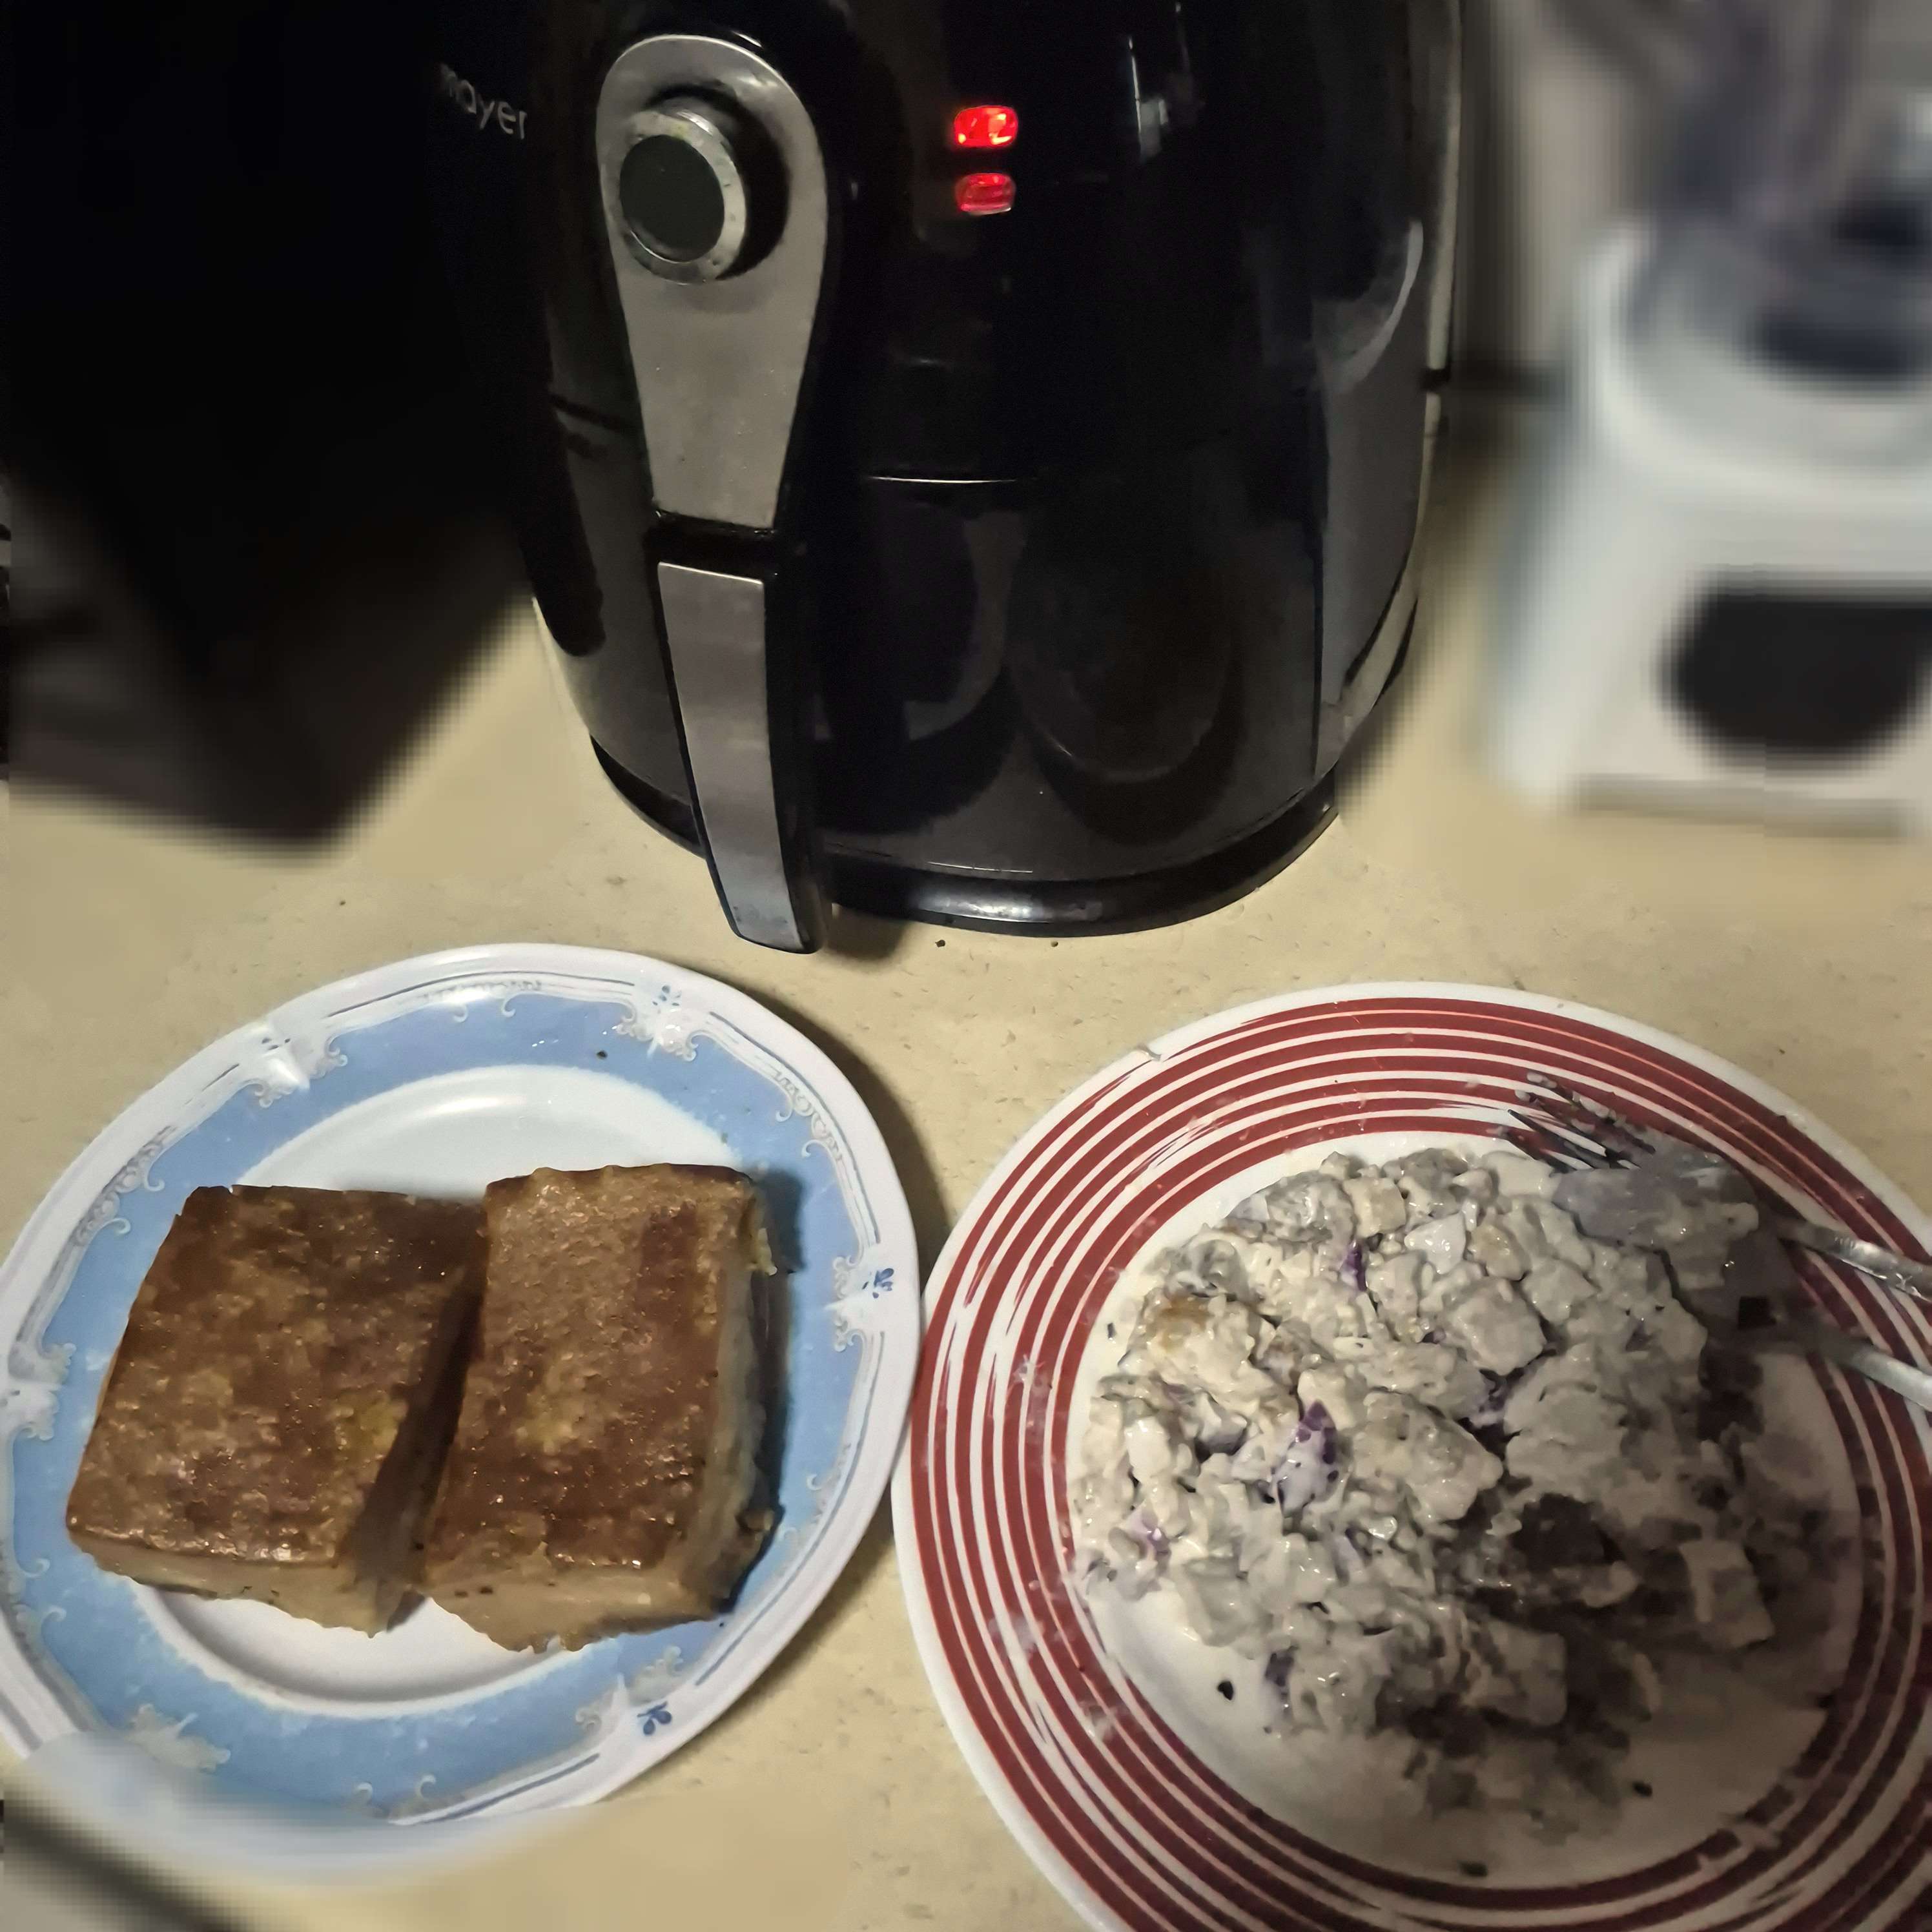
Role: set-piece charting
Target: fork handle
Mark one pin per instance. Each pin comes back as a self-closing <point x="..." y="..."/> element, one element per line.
<point x="1893" y="1271"/>
<point x="1849" y="1352"/>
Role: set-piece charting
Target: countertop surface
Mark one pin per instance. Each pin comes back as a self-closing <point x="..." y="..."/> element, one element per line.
<point x="832" y="1795"/>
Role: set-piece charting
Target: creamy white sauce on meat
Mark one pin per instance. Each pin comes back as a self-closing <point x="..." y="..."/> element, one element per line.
<point x="1433" y="1461"/>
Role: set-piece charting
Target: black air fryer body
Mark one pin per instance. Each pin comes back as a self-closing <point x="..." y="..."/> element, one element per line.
<point x="1027" y="568"/>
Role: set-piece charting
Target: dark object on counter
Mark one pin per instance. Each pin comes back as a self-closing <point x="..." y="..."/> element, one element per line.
<point x="256" y="543"/>
<point x="968" y="456"/>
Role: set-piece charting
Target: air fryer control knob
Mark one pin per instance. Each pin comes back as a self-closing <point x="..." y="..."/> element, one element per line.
<point x="685" y="188"/>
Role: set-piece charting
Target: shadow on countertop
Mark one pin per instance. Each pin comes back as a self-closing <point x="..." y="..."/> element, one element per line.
<point x="930" y="1219"/>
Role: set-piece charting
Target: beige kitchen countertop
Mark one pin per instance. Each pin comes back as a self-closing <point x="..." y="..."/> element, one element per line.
<point x="832" y="1795"/>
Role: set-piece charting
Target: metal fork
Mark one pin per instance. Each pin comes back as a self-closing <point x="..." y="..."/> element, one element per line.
<point x="1570" y="1132"/>
<point x="1578" y="1131"/>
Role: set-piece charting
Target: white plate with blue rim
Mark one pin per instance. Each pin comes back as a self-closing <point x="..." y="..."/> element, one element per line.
<point x="435" y="1075"/>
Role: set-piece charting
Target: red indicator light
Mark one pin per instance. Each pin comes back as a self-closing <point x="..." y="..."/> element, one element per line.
<point x="985" y="127"/>
<point x="983" y="194"/>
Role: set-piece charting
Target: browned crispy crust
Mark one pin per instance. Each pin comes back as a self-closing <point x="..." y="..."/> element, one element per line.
<point x="602" y="1472"/>
<point x="278" y="1406"/>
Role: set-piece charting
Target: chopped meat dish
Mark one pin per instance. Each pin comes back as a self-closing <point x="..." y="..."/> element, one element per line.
<point x="1441" y="1453"/>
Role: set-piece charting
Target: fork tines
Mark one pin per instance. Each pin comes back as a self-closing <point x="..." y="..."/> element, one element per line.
<point x="1566" y="1128"/>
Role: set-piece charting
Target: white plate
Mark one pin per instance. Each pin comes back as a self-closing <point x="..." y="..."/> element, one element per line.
<point x="436" y="1075"/>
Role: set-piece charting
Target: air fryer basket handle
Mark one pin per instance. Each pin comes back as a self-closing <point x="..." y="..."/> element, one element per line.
<point x="721" y="292"/>
<point x="738" y="692"/>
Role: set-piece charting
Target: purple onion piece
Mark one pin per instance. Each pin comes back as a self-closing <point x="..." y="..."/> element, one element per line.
<point x="1352" y="1272"/>
<point x="1305" y="1468"/>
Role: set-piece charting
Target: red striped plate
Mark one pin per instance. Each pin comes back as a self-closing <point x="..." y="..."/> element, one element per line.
<point x="1096" y="1760"/>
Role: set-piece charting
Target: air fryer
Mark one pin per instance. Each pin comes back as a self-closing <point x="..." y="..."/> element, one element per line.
<point x="968" y="456"/>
